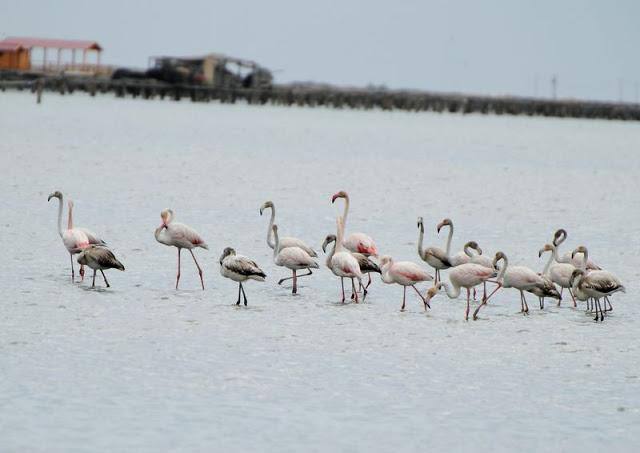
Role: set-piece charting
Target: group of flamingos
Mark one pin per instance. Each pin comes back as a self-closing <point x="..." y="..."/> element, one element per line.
<point x="356" y="254"/>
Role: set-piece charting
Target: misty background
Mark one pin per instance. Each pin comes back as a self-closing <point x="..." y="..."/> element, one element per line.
<point x="485" y="47"/>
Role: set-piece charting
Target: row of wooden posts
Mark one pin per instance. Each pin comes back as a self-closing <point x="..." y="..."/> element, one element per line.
<point x="332" y="97"/>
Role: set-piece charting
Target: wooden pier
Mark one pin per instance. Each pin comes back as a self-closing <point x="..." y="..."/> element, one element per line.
<point x="333" y="97"/>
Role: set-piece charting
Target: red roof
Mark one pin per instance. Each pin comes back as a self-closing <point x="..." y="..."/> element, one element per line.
<point x="51" y="43"/>
<point x="9" y="46"/>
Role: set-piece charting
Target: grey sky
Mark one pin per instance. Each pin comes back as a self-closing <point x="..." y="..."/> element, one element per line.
<point x="495" y="47"/>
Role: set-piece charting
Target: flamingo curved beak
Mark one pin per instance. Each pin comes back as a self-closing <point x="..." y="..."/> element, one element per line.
<point x="335" y="196"/>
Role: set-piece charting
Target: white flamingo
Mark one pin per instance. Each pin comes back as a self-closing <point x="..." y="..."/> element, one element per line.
<point x="239" y="269"/>
<point x="293" y="258"/>
<point x="558" y="238"/>
<point x="404" y="273"/>
<point x="181" y="236"/>
<point x="466" y="276"/>
<point x="559" y="273"/>
<point x="596" y="285"/>
<point x="435" y="257"/>
<point x="519" y="277"/>
<point x="465" y="255"/>
<point x="99" y="257"/>
<point x="73" y="238"/>
<point x="342" y="262"/>
<point x="286" y="241"/>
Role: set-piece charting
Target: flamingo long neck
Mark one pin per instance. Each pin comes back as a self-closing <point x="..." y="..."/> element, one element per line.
<point x="161" y="236"/>
<point x="60" y="216"/>
<point x="330" y="256"/>
<point x="467" y="250"/>
<point x="452" y="291"/>
<point x="339" y="247"/>
<point x="276" y="245"/>
<point x="448" y="249"/>
<point x="270" y="242"/>
<point x="562" y="259"/>
<point x="386" y="278"/>
<point x="503" y="270"/>
<point x="545" y="271"/>
<point x="70" y="221"/>
<point x="585" y="258"/>
<point x="420" y="240"/>
<point x="346" y="211"/>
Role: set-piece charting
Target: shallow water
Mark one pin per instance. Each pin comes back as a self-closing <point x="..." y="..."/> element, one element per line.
<point x="142" y="367"/>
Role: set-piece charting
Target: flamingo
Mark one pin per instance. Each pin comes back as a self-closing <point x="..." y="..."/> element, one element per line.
<point x="433" y="256"/>
<point x="179" y="235"/>
<point x="465" y="256"/>
<point x="558" y="238"/>
<point x="99" y="257"/>
<point x="596" y="284"/>
<point x="355" y="242"/>
<point x="559" y="273"/>
<point x="73" y="238"/>
<point x="342" y="262"/>
<point x="521" y="278"/>
<point x="293" y="258"/>
<point x="285" y="241"/>
<point x="366" y="264"/>
<point x="239" y="269"/>
<point x="404" y="273"/>
<point x="598" y="273"/>
<point x="466" y="276"/>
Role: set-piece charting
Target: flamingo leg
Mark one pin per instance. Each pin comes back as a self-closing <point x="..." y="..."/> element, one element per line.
<point x="354" y="293"/>
<point x="484" y="294"/>
<point x="342" y="282"/>
<point x="574" y="298"/>
<point x="239" y="292"/>
<point x="541" y="303"/>
<point x="424" y="300"/>
<point x="484" y="302"/>
<point x="82" y="272"/>
<point x="243" y="294"/>
<point x="364" y="288"/>
<point x="596" y="304"/>
<point x="93" y="282"/>
<point x="474" y="294"/>
<point x="368" y="283"/>
<point x="404" y="296"/>
<point x="524" y="299"/>
<point x="466" y="313"/>
<point x="295" y="283"/>
<point x="198" y="266"/>
<point x="289" y="278"/>
<point x="178" y="276"/>
<point x="73" y="274"/>
<point x="493" y="292"/>
<point x="106" y="282"/>
<point x="607" y="301"/>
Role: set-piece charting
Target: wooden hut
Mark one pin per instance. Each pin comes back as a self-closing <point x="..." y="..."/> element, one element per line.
<point x="57" y="55"/>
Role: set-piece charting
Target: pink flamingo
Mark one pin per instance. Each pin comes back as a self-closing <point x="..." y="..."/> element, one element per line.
<point x="181" y="236"/>
<point x="404" y="273"/>
<point x="342" y="263"/>
<point x="355" y="242"/>
<point x="75" y="239"/>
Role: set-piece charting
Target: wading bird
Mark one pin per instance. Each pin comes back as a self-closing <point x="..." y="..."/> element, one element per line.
<point x="558" y="238"/>
<point x="433" y="256"/>
<point x="559" y="273"/>
<point x="285" y="241"/>
<point x="179" y="235"/>
<point x="342" y="262"/>
<point x="239" y="269"/>
<point x="73" y="238"/>
<point x="404" y="273"/>
<point x="99" y="258"/>
<point x="596" y="285"/>
<point x="293" y="258"/>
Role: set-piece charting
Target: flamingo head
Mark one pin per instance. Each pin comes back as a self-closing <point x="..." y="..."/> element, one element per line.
<point x="420" y="223"/>
<point x="546" y="248"/>
<point x="474" y="245"/>
<point x="581" y="249"/>
<point x="57" y="194"/>
<point x="559" y="237"/>
<point x="167" y="216"/>
<point x="575" y="274"/>
<point x="228" y="251"/>
<point x="265" y="205"/>
<point x="328" y="240"/>
<point x="445" y="222"/>
<point x="499" y="256"/>
<point x="341" y="194"/>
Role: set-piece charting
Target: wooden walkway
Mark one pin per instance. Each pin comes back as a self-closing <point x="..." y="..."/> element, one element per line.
<point x="339" y="98"/>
